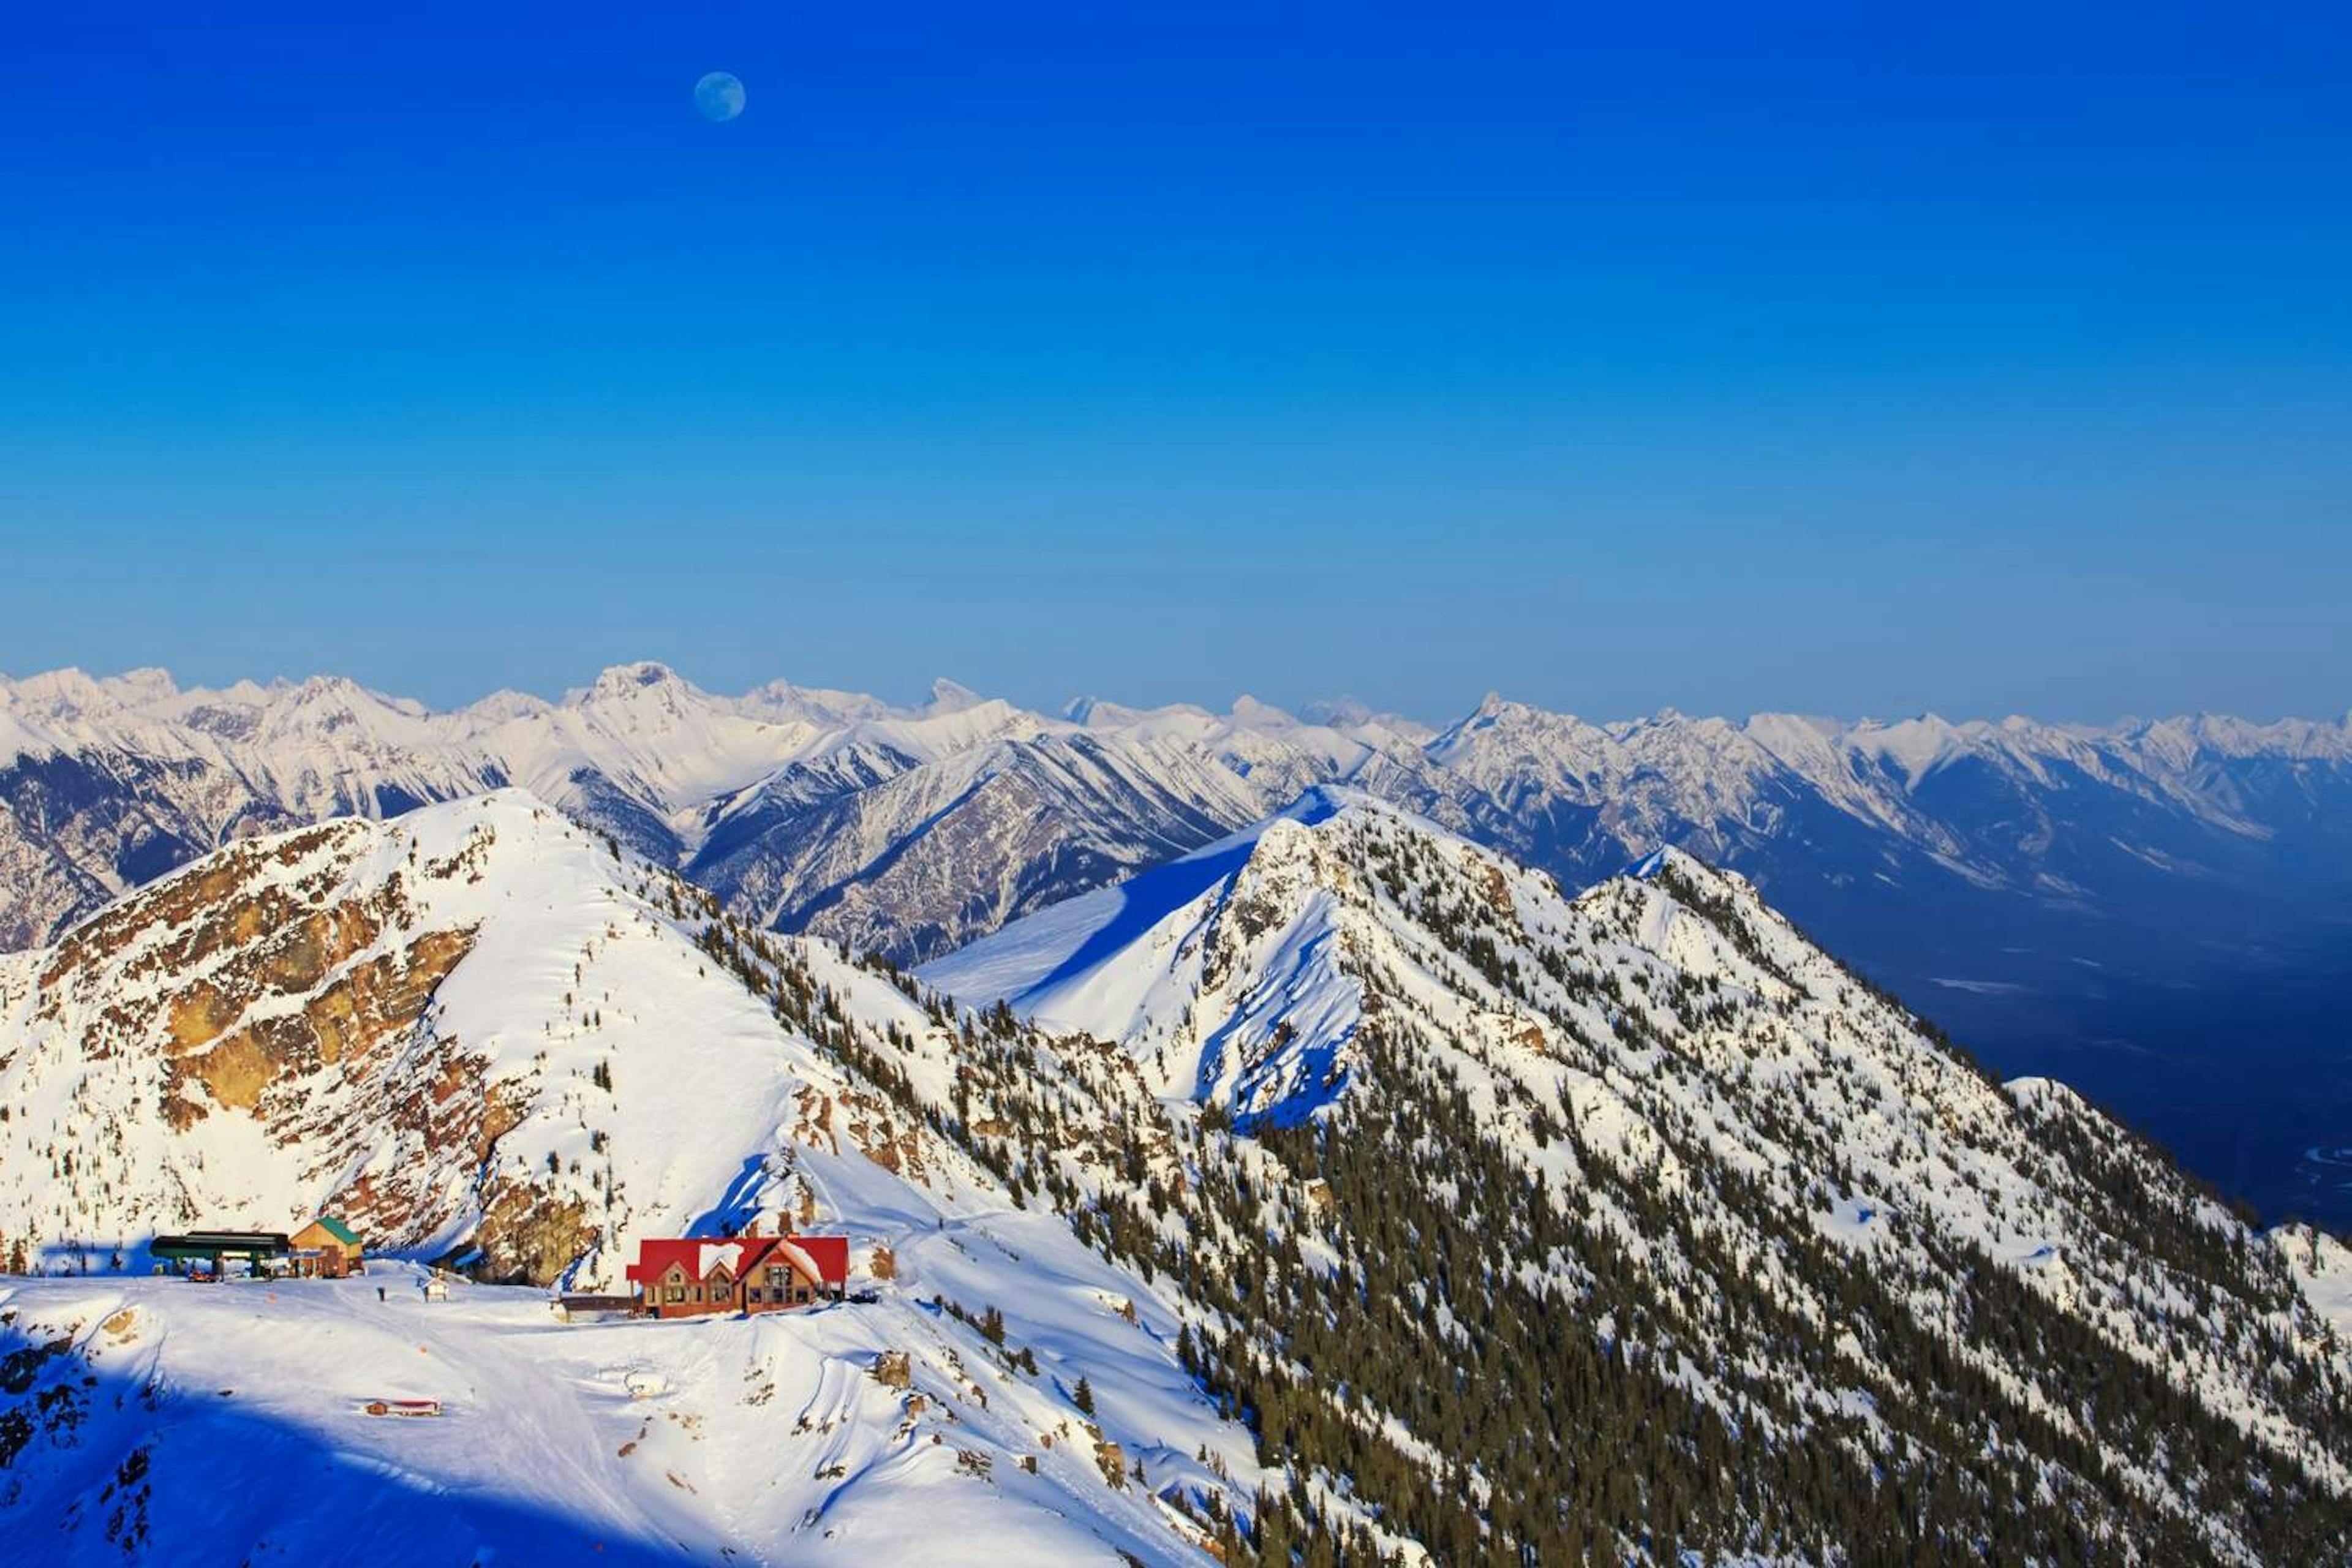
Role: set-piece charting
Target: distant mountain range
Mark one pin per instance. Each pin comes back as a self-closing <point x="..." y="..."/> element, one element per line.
<point x="2114" y="891"/>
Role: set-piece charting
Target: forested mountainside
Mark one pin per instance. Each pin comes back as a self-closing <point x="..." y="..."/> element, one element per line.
<point x="1382" y="1200"/>
<point x="2153" y="909"/>
<point x="1587" y="1204"/>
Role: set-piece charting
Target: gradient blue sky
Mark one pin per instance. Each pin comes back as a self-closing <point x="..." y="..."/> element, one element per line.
<point x="1861" y="359"/>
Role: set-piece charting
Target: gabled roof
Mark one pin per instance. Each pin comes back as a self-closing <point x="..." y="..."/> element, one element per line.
<point x="337" y="1229"/>
<point x="822" y="1260"/>
<point x="826" y="1258"/>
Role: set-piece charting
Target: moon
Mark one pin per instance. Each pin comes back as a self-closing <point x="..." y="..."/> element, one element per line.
<point x="719" y="96"/>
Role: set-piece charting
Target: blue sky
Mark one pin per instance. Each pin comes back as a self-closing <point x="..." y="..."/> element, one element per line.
<point x="1839" y="359"/>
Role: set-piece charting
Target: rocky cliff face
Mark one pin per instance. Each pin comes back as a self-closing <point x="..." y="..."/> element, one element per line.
<point x="479" y="1027"/>
<point x="248" y="1041"/>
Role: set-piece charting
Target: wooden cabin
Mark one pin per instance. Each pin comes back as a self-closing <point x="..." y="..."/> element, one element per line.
<point x="686" y="1277"/>
<point x="328" y="1249"/>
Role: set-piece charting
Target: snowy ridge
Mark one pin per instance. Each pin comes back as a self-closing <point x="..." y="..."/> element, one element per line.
<point x="481" y="1030"/>
<point x="1670" y="1040"/>
<point x="1139" y="962"/>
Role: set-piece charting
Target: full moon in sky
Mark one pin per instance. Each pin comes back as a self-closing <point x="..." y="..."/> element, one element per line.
<point x="719" y="96"/>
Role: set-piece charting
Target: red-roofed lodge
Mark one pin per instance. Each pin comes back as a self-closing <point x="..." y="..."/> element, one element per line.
<point x="685" y="1277"/>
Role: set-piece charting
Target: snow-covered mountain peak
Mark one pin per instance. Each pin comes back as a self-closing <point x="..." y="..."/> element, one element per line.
<point x="621" y="681"/>
<point x="951" y="697"/>
<point x="1337" y="711"/>
<point x="60" y="695"/>
<point x="356" y="1015"/>
<point x="1250" y="713"/>
<point x="1500" y="729"/>
<point x="1917" y="746"/>
<point x="503" y="706"/>
<point x="1232" y="970"/>
<point x="477" y="1026"/>
<point x="141" y="686"/>
<point x="481" y="1032"/>
<point x="1668" y="1060"/>
<point x="334" y="705"/>
<point x="1092" y="712"/>
<point x="782" y="699"/>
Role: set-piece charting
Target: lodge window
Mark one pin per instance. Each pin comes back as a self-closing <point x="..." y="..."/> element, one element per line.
<point x="677" y="1293"/>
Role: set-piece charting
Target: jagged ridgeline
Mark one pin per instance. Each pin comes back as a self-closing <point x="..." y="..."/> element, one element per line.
<point x="916" y="829"/>
<point x="1552" y="1230"/>
<point x="1513" y="1227"/>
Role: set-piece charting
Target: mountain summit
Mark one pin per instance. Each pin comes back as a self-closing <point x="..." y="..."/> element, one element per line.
<point x="1655" y="1123"/>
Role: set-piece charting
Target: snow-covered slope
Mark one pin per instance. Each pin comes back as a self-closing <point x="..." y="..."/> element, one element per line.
<point x="1153" y="963"/>
<point x="1738" y="1151"/>
<point x="936" y="854"/>
<point x="483" y="1032"/>
<point x="153" y="1421"/>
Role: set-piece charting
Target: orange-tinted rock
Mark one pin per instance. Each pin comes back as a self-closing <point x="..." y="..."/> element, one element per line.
<point x="527" y="1235"/>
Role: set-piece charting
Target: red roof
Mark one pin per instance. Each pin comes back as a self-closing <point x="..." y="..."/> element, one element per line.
<point x="827" y="1256"/>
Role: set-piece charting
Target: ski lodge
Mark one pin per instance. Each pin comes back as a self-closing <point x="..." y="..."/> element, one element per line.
<point x="686" y="1277"/>
<point x="328" y="1249"/>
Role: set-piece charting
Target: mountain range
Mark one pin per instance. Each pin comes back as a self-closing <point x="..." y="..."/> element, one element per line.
<point x="2162" y="909"/>
<point x="1341" y="1191"/>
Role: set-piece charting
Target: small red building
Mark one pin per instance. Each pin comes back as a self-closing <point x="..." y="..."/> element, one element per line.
<point x="685" y="1276"/>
